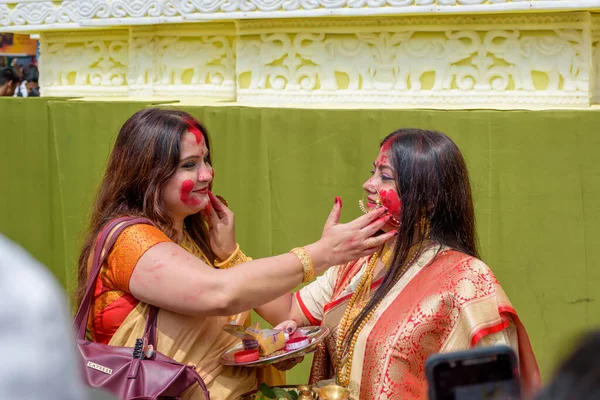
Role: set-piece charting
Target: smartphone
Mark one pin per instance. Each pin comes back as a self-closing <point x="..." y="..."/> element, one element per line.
<point x="487" y="373"/>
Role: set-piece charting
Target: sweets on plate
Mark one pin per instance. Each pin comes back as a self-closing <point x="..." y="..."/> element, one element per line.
<point x="261" y="343"/>
<point x="245" y="356"/>
<point x="268" y="340"/>
<point x="297" y="343"/>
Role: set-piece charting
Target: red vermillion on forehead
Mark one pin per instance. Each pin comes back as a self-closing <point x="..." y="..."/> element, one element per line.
<point x="193" y="129"/>
<point x="386" y="146"/>
<point x="382" y="159"/>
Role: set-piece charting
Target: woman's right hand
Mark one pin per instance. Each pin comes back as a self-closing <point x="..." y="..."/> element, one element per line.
<point x="342" y="243"/>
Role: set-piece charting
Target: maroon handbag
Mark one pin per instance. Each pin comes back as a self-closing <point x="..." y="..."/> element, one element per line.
<point x="129" y="373"/>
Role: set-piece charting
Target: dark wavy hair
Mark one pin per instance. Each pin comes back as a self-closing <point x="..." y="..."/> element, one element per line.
<point x="432" y="182"/>
<point x="145" y="156"/>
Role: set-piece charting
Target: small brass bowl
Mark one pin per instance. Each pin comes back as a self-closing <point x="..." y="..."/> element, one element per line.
<point x="334" y="392"/>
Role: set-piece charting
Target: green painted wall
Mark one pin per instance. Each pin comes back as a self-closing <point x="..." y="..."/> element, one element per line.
<point x="535" y="178"/>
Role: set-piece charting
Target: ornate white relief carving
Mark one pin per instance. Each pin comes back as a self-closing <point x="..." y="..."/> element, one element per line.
<point x="448" y="61"/>
<point x="76" y="66"/>
<point x="418" y="63"/>
<point x="182" y="63"/>
<point x="24" y="15"/>
<point x="5" y="14"/>
<point x="595" y="73"/>
<point x="43" y="13"/>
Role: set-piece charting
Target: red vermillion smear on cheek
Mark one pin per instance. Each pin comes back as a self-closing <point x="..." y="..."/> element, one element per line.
<point x="196" y="132"/>
<point x="186" y="189"/>
<point x="391" y="201"/>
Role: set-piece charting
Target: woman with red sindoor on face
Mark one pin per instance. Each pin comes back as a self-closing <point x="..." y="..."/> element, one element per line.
<point x="188" y="264"/>
<point x="424" y="291"/>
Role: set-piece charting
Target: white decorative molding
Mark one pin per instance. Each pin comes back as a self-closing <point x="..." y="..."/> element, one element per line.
<point x="187" y="60"/>
<point x="26" y="15"/>
<point x="450" y="61"/>
<point x="595" y="73"/>
<point x="94" y="63"/>
<point x="458" y="61"/>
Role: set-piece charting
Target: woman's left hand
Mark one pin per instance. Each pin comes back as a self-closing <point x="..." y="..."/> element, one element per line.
<point x="221" y="224"/>
<point x="288" y="327"/>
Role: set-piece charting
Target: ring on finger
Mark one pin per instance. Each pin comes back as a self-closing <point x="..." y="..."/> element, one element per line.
<point x="371" y="242"/>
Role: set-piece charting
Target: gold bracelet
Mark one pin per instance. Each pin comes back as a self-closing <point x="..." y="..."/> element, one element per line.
<point x="236" y="258"/>
<point x="307" y="264"/>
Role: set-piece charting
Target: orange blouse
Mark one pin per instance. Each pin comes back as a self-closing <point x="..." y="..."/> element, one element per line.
<point x="112" y="298"/>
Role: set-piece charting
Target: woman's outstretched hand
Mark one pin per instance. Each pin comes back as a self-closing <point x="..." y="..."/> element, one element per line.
<point x="221" y="223"/>
<point x="342" y="243"/>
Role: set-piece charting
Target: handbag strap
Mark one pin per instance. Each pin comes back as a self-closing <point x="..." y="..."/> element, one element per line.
<point x="150" y="330"/>
<point x="196" y="376"/>
<point x="82" y="316"/>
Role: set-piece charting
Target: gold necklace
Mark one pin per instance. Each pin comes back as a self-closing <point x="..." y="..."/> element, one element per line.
<point x="344" y="364"/>
<point x="363" y="290"/>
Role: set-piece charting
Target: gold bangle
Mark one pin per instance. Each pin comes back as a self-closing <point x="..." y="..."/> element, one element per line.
<point x="307" y="264"/>
<point x="236" y="258"/>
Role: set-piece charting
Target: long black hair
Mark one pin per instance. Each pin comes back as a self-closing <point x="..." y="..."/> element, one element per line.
<point x="433" y="183"/>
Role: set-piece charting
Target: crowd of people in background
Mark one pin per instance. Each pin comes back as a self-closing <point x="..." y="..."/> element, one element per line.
<point x="19" y="82"/>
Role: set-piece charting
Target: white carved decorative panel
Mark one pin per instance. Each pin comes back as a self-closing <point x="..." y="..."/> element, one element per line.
<point x="90" y="64"/>
<point x="514" y="61"/>
<point x="25" y="15"/>
<point x="459" y="61"/>
<point x="595" y="73"/>
<point x="188" y="61"/>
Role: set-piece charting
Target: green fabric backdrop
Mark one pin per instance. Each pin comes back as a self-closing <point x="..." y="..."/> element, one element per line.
<point x="535" y="178"/>
<point x="25" y="178"/>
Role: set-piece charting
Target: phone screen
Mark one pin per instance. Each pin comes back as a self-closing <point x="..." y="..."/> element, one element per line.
<point x="484" y="378"/>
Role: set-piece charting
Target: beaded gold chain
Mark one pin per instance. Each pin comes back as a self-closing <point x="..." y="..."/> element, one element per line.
<point x="359" y="298"/>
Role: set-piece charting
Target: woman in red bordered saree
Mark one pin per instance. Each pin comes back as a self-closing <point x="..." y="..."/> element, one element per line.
<point x="422" y="293"/>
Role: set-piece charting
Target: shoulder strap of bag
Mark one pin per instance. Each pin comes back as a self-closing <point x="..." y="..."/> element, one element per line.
<point x="82" y="316"/>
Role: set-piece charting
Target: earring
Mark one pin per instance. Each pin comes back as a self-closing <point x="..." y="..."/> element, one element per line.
<point x="424" y="226"/>
<point x="365" y="209"/>
<point x="378" y="203"/>
<point x="362" y="207"/>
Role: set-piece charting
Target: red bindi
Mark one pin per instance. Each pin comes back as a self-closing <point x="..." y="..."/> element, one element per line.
<point x="391" y="202"/>
<point x="186" y="189"/>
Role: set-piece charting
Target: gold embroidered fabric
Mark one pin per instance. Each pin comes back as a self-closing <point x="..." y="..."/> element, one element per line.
<point x="446" y="305"/>
<point x="112" y="287"/>
<point x="131" y="244"/>
<point x="188" y="243"/>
